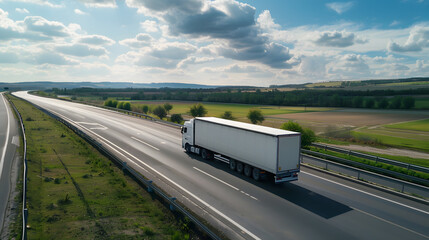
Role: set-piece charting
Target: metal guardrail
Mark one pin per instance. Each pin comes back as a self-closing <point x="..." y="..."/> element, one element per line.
<point x="367" y="176"/>
<point x="374" y="158"/>
<point x="369" y="167"/>
<point x="174" y="206"/>
<point x="24" y="177"/>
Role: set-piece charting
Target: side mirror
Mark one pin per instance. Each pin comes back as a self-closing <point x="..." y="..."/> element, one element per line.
<point x="181" y="130"/>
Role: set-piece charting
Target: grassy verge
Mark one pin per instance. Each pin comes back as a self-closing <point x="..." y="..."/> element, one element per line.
<point x="74" y="192"/>
<point x="372" y="163"/>
<point x="404" y="159"/>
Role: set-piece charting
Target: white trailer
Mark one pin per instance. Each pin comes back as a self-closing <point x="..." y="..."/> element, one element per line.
<point x="254" y="150"/>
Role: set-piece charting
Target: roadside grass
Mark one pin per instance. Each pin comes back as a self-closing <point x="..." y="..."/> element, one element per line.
<point x="372" y="163"/>
<point x="74" y="192"/>
<point x="415" y="161"/>
<point x="390" y="139"/>
<point x="419" y="125"/>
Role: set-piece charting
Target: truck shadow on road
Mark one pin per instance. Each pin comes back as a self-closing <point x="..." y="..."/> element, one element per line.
<point x="311" y="201"/>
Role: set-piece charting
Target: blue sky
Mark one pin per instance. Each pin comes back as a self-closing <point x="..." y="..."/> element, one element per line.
<point x="216" y="42"/>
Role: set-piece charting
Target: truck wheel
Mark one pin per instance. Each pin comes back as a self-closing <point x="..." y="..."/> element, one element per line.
<point x="204" y="154"/>
<point x="247" y="170"/>
<point x="256" y="174"/>
<point x="232" y="164"/>
<point x="187" y="148"/>
<point x="240" y="167"/>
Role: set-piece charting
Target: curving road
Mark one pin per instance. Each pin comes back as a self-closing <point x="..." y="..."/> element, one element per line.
<point x="317" y="206"/>
<point x="9" y="141"/>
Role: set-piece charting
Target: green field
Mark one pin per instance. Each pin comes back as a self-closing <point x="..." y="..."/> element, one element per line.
<point x="238" y="110"/>
<point x="407" y="140"/>
<point x="74" y="192"/>
<point x="420" y="125"/>
<point x="422" y="103"/>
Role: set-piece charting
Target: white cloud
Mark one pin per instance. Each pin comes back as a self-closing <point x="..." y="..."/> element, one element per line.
<point x="99" y="3"/>
<point x="22" y="10"/>
<point x="416" y="42"/>
<point x="340" y="7"/>
<point x="337" y="39"/>
<point x="79" y="12"/>
<point x="149" y="26"/>
<point x="41" y="2"/>
<point x="161" y="55"/>
<point x="81" y="50"/>
<point x="141" y="40"/>
<point x="229" y="22"/>
<point x="265" y="21"/>
<point x="45" y="28"/>
<point x="96" y="40"/>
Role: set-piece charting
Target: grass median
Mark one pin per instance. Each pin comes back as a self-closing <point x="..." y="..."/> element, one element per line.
<point x="74" y="192"/>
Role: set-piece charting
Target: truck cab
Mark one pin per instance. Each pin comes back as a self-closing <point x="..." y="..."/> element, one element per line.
<point x="188" y="135"/>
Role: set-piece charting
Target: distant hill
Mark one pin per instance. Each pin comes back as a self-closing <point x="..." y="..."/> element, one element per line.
<point x="417" y="82"/>
<point x="70" y="85"/>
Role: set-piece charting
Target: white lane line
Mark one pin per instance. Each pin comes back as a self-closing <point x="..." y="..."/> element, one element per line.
<point x="229" y="185"/>
<point x="389" y="222"/>
<point x="244" y="230"/>
<point x="145" y="143"/>
<point x="370" y="194"/>
<point x="7" y="137"/>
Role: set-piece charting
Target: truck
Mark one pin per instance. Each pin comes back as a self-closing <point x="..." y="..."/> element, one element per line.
<point x="257" y="151"/>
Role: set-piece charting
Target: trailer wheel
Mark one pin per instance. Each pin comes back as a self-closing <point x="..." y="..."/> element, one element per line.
<point x="240" y="167"/>
<point x="256" y="174"/>
<point x="204" y="154"/>
<point x="232" y="164"/>
<point x="247" y="170"/>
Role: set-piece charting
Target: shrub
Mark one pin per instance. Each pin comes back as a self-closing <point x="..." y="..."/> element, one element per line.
<point x="177" y="118"/>
<point x="168" y="107"/>
<point x="160" y="112"/>
<point x="198" y="110"/>
<point x="145" y="109"/>
<point x="307" y="135"/>
<point x="227" y="115"/>
<point x="255" y="116"/>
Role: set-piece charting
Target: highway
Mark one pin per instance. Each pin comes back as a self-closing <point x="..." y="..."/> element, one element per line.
<point x="317" y="206"/>
<point x="9" y="141"/>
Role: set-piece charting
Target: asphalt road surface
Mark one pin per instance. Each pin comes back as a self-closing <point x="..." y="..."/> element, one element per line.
<point x="9" y="141"/>
<point x="317" y="206"/>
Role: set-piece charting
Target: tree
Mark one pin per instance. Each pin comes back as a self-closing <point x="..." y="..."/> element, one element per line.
<point x="255" y="116"/>
<point x="382" y="103"/>
<point x="408" y="102"/>
<point x="145" y="109"/>
<point x="357" y="102"/>
<point x="168" y="107"/>
<point x="369" y="103"/>
<point x="120" y="105"/>
<point x="127" y="106"/>
<point x="307" y="135"/>
<point x="177" y="118"/>
<point x="111" y="103"/>
<point x="160" y="112"/>
<point x="227" y="115"/>
<point x="396" y="102"/>
<point x="198" y="110"/>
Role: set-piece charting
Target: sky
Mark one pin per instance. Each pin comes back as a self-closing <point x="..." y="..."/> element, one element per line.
<point x="213" y="42"/>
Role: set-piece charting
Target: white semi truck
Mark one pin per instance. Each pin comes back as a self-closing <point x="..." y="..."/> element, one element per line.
<point x="256" y="151"/>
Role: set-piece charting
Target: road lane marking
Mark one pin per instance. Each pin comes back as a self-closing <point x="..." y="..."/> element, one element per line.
<point x="370" y="194"/>
<point x="99" y="126"/>
<point x="145" y="143"/>
<point x="244" y="230"/>
<point x="389" y="222"/>
<point x="15" y="140"/>
<point x="229" y="185"/>
<point x="7" y="136"/>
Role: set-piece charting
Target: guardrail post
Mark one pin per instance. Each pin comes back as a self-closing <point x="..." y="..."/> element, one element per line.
<point x="171" y="204"/>
<point x="358" y="176"/>
<point x="326" y="165"/>
<point x="149" y="186"/>
<point x="376" y="159"/>
<point x="403" y="186"/>
<point x="25" y="219"/>
<point x="124" y="166"/>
